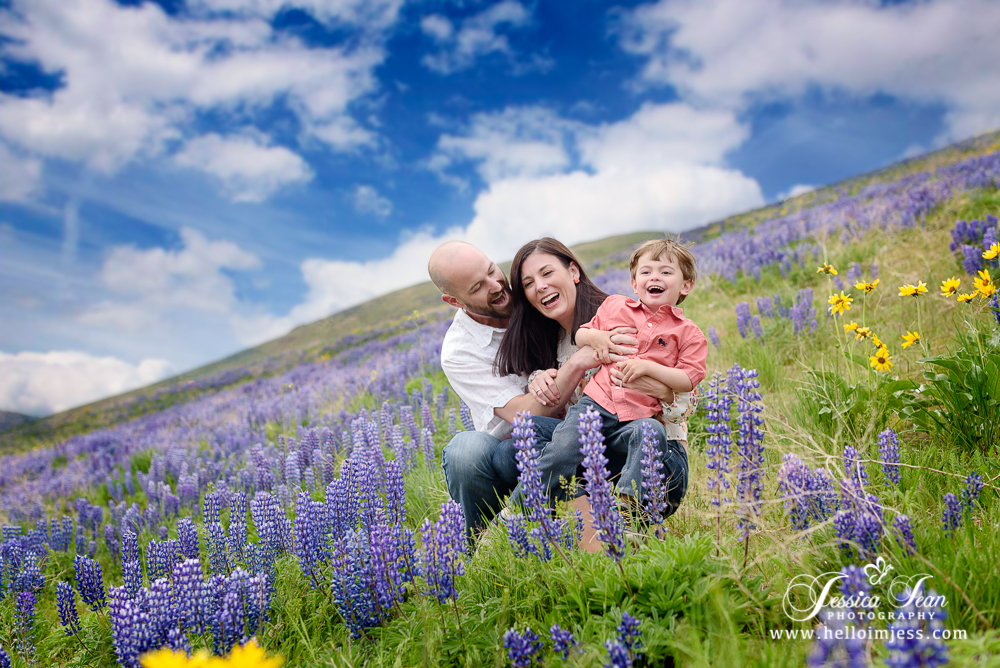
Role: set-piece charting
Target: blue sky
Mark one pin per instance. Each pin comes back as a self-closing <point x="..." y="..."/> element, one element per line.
<point x="183" y="179"/>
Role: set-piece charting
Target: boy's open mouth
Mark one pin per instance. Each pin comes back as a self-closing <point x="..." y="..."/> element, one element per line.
<point x="654" y="290"/>
<point x="548" y="300"/>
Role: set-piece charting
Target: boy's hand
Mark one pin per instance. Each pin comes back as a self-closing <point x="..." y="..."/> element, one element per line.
<point x="600" y="341"/>
<point x="543" y="388"/>
<point x="632" y="369"/>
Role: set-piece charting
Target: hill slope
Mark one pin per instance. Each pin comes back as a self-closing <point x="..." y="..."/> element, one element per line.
<point x="307" y="342"/>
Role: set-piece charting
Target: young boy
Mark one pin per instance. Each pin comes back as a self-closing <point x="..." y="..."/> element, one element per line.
<point x="672" y="350"/>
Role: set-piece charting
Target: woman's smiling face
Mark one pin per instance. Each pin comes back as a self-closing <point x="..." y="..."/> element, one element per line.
<point x="550" y="286"/>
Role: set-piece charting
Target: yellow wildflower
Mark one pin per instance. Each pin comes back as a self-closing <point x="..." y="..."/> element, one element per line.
<point x="867" y="287"/>
<point x="850" y="327"/>
<point x="877" y="341"/>
<point x="248" y="656"/>
<point x="840" y="303"/>
<point x="984" y="284"/>
<point x="992" y="253"/>
<point x="826" y="269"/>
<point x="950" y="286"/>
<point x="966" y="298"/>
<point x="912" y="290"/>
<point x="910" y="338"/>
<point x="862" y="333"/>
<point x="881" y="361"/>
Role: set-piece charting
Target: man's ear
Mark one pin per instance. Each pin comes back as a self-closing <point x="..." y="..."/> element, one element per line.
<point x="451" y="301"/>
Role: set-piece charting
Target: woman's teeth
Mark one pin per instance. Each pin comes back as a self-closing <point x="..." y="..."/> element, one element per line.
<point x="551" y="298"/>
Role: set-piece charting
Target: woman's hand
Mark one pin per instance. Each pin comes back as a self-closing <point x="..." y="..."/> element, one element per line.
<point x="543" y="388"/>
<point x="645" y="384"/>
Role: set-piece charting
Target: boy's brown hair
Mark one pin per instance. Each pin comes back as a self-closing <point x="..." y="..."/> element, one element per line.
<point x="657" y="249"/>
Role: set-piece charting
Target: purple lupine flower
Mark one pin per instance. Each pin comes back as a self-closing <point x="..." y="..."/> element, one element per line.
<point x="66" y="603"/>
<point x="451" y="422"/>
<point x="353" y="584"/>
<point x="654" y="482"/>
<point x="853" y="466"/>
<point x="563" y="641"/>
<point x="834" y="644"/>
<point x="904" y="534"/>
<point x="874" y="271"/>
<point x="718" y="402"/>
<point x="426" y="420"/>
<point x="4" y="659"/>
<point x="529" y="476"/>
<point x="758" y="330"/>
<point x="392" y="558"/>
<point x="427" y="447"/>
<point x="618" y="656"/>
<point x="90" y="580"/>
<point x="952" y="516"/>
<point x="859" y="523"/>
<point x="188" y="581"/>
<point x="809" y="496"/>
<point x="607" y="520"/>
<point x="444" y="544"/>
<point x="24" y="624"/>
<point x="218" y="552"/>
<point x="308" y="539"/>
<point x="888" y="450"/>
<point x="629" y="635"/>
<point x="750" y="442"/>
<point x="517" y="533"/>
<point x="131" y="633"/>
<point x="743" y="318"/>
<point x="409" y="424"/>
<point x="915" y="635"/>
<point x="160" y="607"/>
<point x="466" y="416"/>
<point x="131" y="566"/>
<point x="523" y="649"/>
<point x="187" y="537"/>
<point x="714" y="336"/>
<point x="238" y="523"/>
<point x="854" y="587"/>
<point x="765" y="306"/>
<point x="973" y="486"/>
<point x="395" y="493"/>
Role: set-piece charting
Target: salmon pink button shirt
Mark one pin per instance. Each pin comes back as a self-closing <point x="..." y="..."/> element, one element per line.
<point x="665" y="337"/>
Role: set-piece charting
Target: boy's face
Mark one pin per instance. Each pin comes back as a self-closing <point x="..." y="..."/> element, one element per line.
<point x="659" y="282"/>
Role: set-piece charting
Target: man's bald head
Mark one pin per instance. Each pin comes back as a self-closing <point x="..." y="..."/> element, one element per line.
<point x="448" y="254"/>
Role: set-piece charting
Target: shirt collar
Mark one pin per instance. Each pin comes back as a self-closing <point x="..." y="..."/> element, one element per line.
<point x="677" y="311"/>
<point x="480" y="333"/>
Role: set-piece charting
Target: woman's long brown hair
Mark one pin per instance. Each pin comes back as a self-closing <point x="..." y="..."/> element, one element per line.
<point x="531" y="339"/>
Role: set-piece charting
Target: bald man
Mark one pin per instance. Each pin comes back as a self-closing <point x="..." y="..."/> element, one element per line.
<point x="479" y="466"/>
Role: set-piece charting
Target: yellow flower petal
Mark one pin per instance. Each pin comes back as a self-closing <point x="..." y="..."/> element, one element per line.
<point x="950" y="286"/>
<point x="910" y="338"/>
<point x="992" y="252"/>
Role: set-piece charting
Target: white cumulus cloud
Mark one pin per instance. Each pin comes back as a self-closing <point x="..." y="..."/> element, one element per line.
<point x="43" y="383"/>
<point x="478" y="35"/>
<point x="250" y="171"/>
<point x="148" y="285"/>
<point x="134" y="95"/>
<point x="368" y="200"/>
<point x="730" y="53"/>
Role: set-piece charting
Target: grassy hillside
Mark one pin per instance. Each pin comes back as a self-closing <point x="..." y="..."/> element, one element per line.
<point x="305" y="342"/>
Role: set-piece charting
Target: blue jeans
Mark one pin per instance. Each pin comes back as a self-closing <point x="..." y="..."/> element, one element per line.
<point x="561" y="458"/>
<point x="480" y="471"/>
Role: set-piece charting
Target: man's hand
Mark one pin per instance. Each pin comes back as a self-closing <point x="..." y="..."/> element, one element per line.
<point x="544" y="389"/>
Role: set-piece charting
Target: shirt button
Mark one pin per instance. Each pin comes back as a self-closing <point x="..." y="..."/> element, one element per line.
<point x="649" y="324"/>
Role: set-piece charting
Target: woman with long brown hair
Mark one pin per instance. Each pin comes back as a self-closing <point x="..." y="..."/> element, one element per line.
<point x="552" y="297"/>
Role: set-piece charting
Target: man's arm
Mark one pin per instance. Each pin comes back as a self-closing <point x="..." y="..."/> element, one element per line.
<point x="567" y="379"/>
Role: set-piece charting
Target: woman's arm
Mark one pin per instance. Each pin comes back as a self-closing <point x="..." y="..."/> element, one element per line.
<point x="545" y="385"/>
